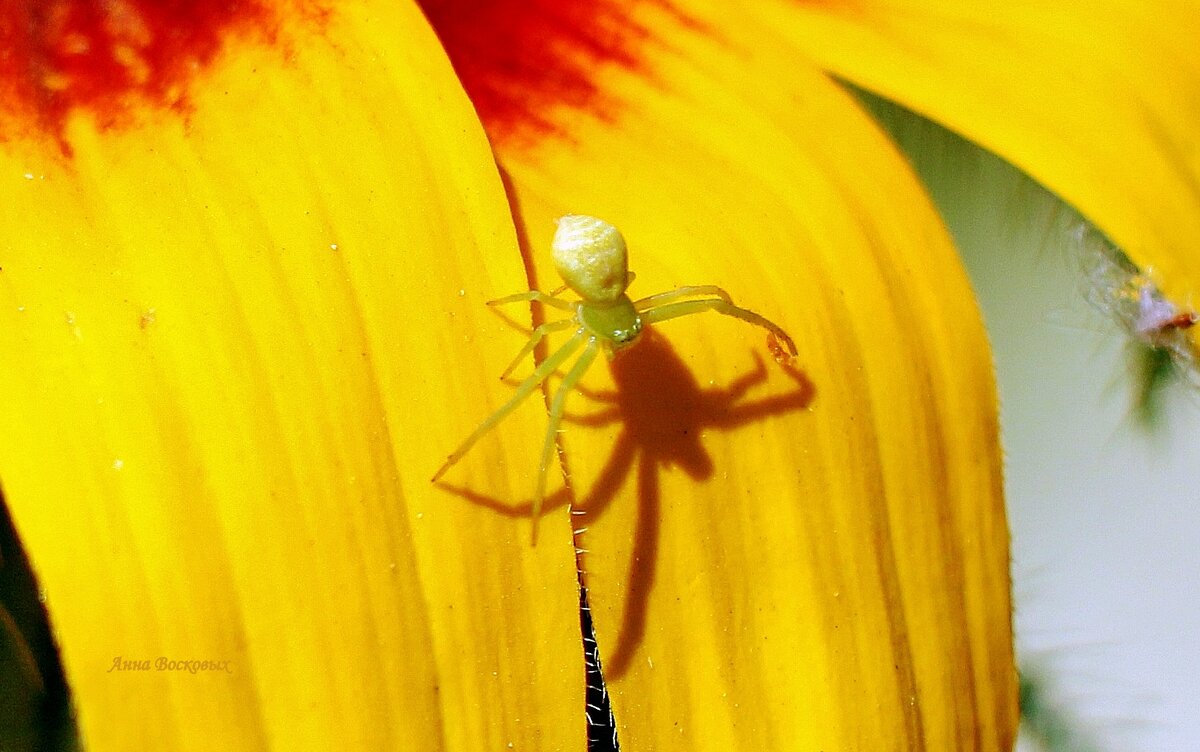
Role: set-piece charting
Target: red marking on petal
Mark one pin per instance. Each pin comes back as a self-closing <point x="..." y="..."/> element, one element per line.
<point x="108" y="57"/>
<point x="523" y="61"/>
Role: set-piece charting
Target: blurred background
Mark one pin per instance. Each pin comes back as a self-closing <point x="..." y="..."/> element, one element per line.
<point x="1102" y="495"/>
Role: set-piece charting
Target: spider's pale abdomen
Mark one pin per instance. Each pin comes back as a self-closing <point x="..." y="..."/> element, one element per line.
<point x="591" y="258"/>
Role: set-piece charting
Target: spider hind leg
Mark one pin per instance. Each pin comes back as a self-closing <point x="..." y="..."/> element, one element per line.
<point x="534" y="296"/>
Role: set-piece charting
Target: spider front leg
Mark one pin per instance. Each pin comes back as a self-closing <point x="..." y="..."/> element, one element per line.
<point x="534" y="338"/>
<point x="556" y="414"/>
<point x="681" y="292"/>
<point x="524" y="389"/>
<point x="720" y="305"/>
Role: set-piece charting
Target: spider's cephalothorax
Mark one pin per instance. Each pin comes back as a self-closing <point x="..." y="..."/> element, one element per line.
<point x="590" y="256"/>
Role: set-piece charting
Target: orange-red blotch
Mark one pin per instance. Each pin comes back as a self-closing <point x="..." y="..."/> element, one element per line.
<point x="523" y="62"/>
<point x="108" y="57"/>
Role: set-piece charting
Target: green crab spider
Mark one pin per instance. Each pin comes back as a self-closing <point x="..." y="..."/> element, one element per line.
<point x="590" y="256"/>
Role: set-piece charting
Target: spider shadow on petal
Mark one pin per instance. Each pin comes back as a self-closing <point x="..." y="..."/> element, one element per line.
<point x="662" y="412"/>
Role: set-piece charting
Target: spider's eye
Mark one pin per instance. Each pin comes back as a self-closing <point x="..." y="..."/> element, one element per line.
<point x="625" y="336"/>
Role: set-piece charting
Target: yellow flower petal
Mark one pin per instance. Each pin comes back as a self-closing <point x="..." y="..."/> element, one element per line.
<point x="771" y="550"/>
<point x="1095" y="100"/>
<point x="242" y="332"/>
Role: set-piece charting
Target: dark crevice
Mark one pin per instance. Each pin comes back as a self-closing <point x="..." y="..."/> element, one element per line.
<point x="601" y="725"/>
<point x="35" y="705"/>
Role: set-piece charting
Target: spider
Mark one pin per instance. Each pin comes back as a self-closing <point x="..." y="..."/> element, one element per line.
<point x="590" y="256"/>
